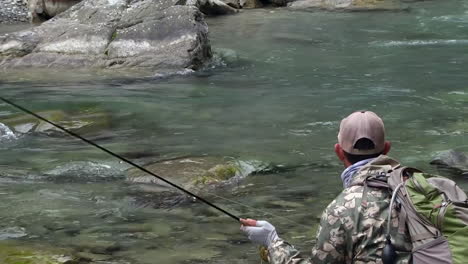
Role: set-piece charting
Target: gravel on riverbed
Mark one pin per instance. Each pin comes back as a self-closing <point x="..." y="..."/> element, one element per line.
<point x="13" y="11"/>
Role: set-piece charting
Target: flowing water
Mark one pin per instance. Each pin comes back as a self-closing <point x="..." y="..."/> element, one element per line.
<point x="282" y="82"/>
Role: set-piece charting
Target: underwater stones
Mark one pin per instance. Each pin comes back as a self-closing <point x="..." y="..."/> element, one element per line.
<point x="91" y="243"/>
<point x="21" y="254"/>
<point x="179" y="170"/>
<point x="196" y="171"/>
<point x="150" y="36"/>
<point x="348" y="5"/>
<point x="84" y="171"/>
<point x="454" y="161"/>
<point x="192" y="173"/>
<point x="83" y="122"/>
<point x="25" y="123"/>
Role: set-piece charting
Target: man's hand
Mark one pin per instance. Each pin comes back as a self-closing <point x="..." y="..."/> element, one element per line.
<point x="259" y="232"/>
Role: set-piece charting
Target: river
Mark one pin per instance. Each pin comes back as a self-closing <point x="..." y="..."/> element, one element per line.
<point x="281" y="84"/>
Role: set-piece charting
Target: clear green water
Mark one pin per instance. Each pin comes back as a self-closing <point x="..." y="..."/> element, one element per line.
<point x="285" y="81"/>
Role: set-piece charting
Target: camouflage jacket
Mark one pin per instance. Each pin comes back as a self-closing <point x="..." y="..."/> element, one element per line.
<point x="352" y="230"/>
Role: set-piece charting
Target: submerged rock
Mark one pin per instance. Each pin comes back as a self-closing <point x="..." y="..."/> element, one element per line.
<point x="84" y="171"/>
<point x="15" y="254"/>
<point x="454" y="161"/>
<point x="88" y="121"/>
<point x="154" y="36"/>
<point x="193" y="173"/>
<point x="348" y="5"/>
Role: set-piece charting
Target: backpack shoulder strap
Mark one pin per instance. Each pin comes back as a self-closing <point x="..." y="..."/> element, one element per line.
<point x="376" y="173"/>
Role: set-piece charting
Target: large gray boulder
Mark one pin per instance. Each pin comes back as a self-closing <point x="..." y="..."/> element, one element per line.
<point x="348" y="5"/>
<point x="154" y="35"/>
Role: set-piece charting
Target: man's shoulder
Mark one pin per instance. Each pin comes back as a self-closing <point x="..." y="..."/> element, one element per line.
<point x="347" y="201"/>
<point x="350" y="193"/>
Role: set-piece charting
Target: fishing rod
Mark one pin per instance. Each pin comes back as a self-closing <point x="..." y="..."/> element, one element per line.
<point x="121" y="158"/>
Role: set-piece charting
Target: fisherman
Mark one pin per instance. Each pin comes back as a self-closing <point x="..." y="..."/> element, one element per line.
<point x="353" y="226"/>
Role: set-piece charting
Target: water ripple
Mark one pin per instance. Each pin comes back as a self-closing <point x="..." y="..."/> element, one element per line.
<point x="12" y="232"/>
<point x="432" y="42"/>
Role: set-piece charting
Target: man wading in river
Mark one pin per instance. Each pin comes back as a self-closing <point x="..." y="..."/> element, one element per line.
<point x="353" y="226"/>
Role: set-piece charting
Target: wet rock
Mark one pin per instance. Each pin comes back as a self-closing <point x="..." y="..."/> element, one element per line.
<point x="348" y="5"/>
<point x="212" y="7"/>
<point x="85" y="122"/>
<point x="150" y="36"/>
<point x="453" y="161"/>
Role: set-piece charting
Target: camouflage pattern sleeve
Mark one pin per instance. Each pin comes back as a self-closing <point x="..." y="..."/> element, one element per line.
<point x="333" y="236"/>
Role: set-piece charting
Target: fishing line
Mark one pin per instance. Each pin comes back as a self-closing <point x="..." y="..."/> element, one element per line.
<point x="121" y="158"/>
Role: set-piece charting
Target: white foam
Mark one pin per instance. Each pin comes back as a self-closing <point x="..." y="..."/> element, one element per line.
<point x="6" y="133"/>
<point x="433" y="42"/>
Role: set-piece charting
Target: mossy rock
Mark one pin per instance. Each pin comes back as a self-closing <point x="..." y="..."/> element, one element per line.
<point x="197" y="174"/>
<point x="199" y="171"/>
<point x="181" y="171"/>
<point x="15" y="254"/>
<point x="218" y="173"/>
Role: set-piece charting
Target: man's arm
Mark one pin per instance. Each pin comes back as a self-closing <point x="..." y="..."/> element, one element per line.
<point x="331" y="239"/>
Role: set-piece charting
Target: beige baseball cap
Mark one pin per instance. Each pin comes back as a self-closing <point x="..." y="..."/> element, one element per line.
<point x="358" y="125"/>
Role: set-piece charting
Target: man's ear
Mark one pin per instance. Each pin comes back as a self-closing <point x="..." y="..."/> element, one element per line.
<point x="387" y="147"/>
<point x="339" y="152"/>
